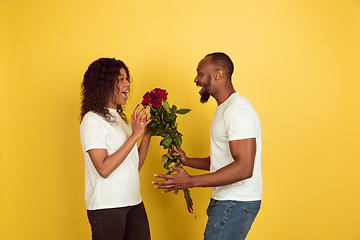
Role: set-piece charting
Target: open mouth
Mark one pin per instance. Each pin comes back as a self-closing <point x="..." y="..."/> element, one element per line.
<point x="124" y="94"/>
<point x="201" y="90"/>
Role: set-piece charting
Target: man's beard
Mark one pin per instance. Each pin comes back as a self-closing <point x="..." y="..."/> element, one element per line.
<point x="205" y="94"/>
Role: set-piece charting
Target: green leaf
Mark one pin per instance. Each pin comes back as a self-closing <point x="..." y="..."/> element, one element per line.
<point x="173" y="109"/>
<point x="166" y="106"/>
<point x="163" y="115"/>
<point x="164" y="158"/>
<point x="172" y="134"/>
<point x="164" y="134"/>
<point x="178" y="141"/>
<point x="158" y="130"/>
<point x="167" y="164"/>
<point x="166" y="142"/>
<point x="183" y="111"/>
<point x="175" y="154"/>
<point x="172" y="116"/>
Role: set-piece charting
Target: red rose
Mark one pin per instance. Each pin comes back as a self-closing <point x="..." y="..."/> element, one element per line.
<point x="145" y="102"/>
<point x="146" y="99"/>
<point x="146" y="95"/>
<point x="154" y="97"/>
<point x="155" y="102"/>
<point x="160" y="93"/>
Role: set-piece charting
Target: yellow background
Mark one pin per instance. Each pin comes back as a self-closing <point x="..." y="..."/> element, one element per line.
<point x="297" y="61"/>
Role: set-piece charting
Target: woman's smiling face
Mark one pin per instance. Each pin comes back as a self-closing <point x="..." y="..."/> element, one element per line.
<point x="121" y="90"/>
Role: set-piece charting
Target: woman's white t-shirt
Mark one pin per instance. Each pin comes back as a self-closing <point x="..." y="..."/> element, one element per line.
<point x="122" y="187"/>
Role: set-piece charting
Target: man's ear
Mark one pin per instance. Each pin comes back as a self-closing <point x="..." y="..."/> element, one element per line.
<point x="219" y="74"/>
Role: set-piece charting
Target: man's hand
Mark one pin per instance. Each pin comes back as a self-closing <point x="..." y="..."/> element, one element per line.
<point x="179" y="180"/>
<point x="184" y="158"/>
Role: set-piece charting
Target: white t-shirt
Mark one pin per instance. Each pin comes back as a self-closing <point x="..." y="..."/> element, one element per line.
<point x="235" y="119"/>
<point x="122" y="187"/>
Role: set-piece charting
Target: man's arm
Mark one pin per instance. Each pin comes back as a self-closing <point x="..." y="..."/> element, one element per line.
<point x="243" y="152"/>
<point x="198" y="163"/>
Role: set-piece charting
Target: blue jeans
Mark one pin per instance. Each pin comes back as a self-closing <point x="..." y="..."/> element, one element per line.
<point x="230" y="220"/>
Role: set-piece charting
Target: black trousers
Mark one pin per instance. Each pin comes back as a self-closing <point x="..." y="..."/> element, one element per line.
<point x="125" y="223"/>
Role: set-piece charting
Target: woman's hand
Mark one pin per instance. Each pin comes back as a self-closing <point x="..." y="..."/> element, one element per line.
<point x="105" y="164"/>
<point x="139" y="122"/>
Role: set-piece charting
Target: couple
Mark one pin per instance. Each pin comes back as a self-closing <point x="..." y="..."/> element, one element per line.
<point x="112" y="160"/>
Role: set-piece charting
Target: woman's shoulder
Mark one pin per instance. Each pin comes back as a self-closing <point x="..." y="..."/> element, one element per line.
<point x="91" y="116"/>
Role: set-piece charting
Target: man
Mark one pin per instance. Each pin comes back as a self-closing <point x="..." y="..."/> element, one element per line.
<point x="235" y="151"/>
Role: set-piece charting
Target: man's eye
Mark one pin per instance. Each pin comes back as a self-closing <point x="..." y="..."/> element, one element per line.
<point x="121" y="79"/>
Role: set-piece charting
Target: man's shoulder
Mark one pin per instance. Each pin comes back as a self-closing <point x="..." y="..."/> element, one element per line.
<point x="239" y="108"/>
<point x="238" y="103"/>
<point x="240" y="99"/>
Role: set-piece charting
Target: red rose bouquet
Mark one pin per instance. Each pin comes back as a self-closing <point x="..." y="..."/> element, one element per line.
<point x="164" y="124"/>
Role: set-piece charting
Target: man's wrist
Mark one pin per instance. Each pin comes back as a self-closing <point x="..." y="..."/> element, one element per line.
<point x="184" y="162"/>
<point x="193" y="181"/>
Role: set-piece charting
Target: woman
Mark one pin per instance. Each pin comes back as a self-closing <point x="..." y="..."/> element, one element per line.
<point x="112" y="160"/>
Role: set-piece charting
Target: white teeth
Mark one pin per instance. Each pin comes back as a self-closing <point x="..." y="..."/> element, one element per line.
<point x="124" y="93"/>
<point x="198" y="86"/>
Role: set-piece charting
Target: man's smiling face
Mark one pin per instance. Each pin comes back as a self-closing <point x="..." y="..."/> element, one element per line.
<point x="205" y="71"/>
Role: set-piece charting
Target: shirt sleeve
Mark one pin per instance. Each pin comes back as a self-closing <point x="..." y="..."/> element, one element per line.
<point x="92" y="135"/>
<point x="240" y="122"/>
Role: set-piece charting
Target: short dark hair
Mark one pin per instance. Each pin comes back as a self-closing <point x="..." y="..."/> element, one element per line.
<point x="223" y="61"/>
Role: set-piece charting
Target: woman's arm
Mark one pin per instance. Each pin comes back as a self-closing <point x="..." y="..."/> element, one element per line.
<point x="105" y="164"/>
<point x="143" y="149"/>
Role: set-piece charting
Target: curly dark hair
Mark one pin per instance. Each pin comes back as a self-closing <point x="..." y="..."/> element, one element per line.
<point x="98" y="85"/>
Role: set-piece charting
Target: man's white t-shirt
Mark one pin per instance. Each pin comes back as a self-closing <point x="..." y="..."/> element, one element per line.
<point x="122" y="187"/>
<point x="235" y="119"/>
